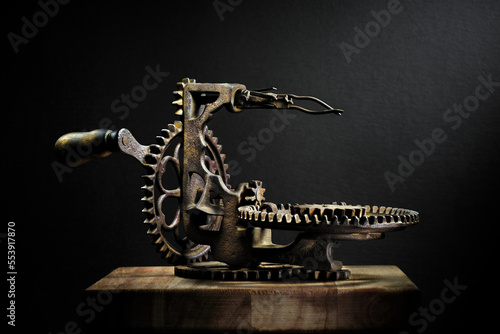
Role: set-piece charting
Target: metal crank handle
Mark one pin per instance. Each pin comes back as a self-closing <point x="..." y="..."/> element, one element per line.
<point x="77" y="148"/>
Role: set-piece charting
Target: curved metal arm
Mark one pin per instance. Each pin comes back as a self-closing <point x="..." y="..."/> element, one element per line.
<point x="257" y="99"/>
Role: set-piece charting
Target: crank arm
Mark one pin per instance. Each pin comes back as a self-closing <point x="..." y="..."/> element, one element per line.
<point x="77" y="148"/>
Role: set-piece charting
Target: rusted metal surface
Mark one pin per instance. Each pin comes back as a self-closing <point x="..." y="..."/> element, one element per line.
<point x="234" y="225"/>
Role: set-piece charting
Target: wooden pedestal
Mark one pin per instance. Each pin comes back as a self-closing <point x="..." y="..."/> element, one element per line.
<point x="154" y="300"/>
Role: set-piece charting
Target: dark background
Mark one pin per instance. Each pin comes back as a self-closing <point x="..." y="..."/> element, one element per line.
<point x="395" y="90"/>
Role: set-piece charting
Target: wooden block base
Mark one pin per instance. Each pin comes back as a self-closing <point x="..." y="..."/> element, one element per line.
<point x="154" y="300"/>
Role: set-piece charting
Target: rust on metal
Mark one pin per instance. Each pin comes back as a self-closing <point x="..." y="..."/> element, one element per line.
<point x="234" y="226"/>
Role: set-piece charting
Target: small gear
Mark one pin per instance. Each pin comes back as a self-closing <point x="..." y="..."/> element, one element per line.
<point x="264" y="272"/>
<point x="253" y="193"/>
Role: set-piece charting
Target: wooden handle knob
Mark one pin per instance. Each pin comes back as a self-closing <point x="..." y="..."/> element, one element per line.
<point x="76" y="148"/>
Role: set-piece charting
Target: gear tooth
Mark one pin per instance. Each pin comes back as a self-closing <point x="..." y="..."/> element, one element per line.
<point x="153" y="231"/>
<point x="178" y="126"/>
<point x="148" y="221"/>
<point x="354" y="221"/>
<point x="325" y="221"/>
<point x="263" y="216"/>
<point x="171" y="128"/>
<point x="316" y="219"/>
<point x="179" y="93"/>
<point x="177" y="102"/>
<point x="219" y="148"/>
<point x="297" y="219"/>
<point x="321" y="211"/>
<point x="307" y="220"/>
<point x="288" y="218"/>
<point x="179" y="112"/>
<point x="335" y="220"/>
<point x="168" y="254"/>
<point x="374" y="209"/>
<point x="270" y="217"/>
<point x="149" y="211"/>
<point x="256" y="216"/>
<point x="344" y="220"/>
<point x="364" y="221"/>
<point x="279" y="217"/>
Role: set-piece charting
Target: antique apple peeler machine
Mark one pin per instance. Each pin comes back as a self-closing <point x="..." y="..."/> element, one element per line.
<point x="223" y="233"/>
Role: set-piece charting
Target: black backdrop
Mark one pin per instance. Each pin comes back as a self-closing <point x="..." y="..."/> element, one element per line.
<point x="405" y="73"/>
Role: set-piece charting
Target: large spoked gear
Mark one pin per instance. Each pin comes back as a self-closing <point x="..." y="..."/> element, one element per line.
<point x="169" y="236"/>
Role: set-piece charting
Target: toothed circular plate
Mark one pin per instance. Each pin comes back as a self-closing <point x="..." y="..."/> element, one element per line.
<point x="264" y="272"/>
<point x="169" y="236"/>
<point x="329" y="218"/>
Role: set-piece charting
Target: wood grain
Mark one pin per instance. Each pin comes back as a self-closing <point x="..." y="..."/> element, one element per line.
<point x="153" y="299"/>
